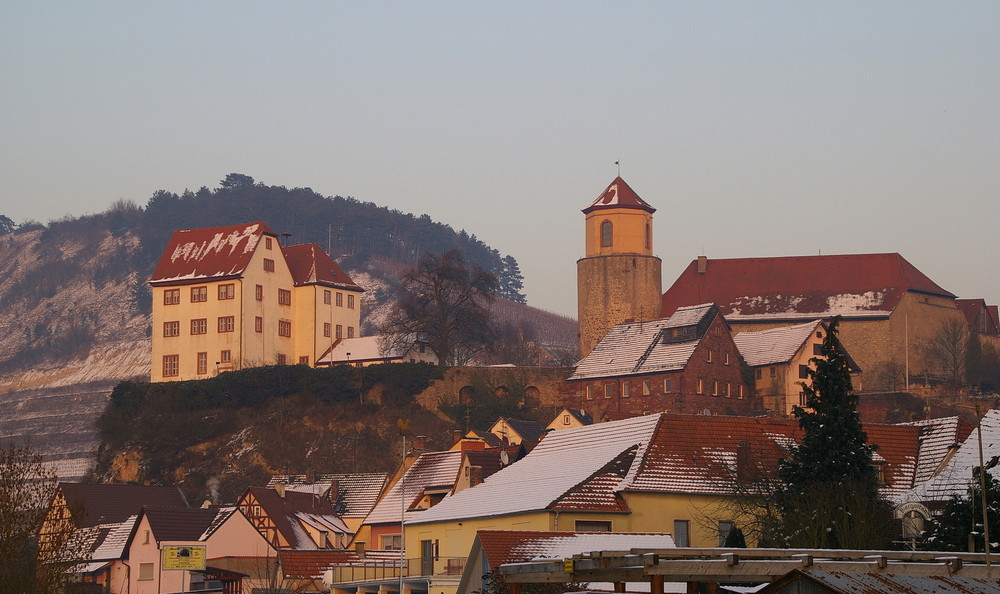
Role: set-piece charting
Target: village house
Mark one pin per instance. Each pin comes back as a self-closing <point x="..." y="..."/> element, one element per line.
<point x="890" y="310"/>
<point x="226" y="298"/>
<point x="353" y="495"/>
<point x="569" y="418"/>
<point x="294" y="519"/>
<point x="373" y="350"/>
<point x="687" y="363"/>
<point x="780" y="358"/>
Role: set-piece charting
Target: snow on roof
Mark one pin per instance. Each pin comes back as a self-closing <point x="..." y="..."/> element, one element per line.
<point x="309" y="264"/>
<point x="790" y="287"/>
<point x="516" y="546"/>
<point x="112" y="546"/>
<point x="362" y="348"/>
<point x="936" y="440"/>
<point x="618" y="194"/>
<point x="955" y="477"/>
<point x="214" y="252"/>
<point x="774" y="346"/>
<point x="560" y="462"/>
<point x="635" y="348"/>
<point x="433" y="469"/>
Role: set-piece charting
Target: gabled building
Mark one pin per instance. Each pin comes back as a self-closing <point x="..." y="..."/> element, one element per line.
<point x="226" y="298"/>
<point x="890" y="310"/>
<point x="182" y="550"/>
<point x="661" y="473"/>
<point x="353" y="495"/>
<point x="570" y="418"/>
<point x="516" y="431"/>
<point x="780" y="358"/>
<point x="687" y="363"/>
<point x="295" y="520"/>
<point x="371" y="350"/>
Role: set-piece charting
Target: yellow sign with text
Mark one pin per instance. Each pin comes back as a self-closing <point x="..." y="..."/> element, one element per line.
<point x="190" y="557"/>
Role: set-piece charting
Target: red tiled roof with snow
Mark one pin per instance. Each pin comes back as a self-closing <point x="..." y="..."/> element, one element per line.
<point x="310" y="265"/>
<point x="588" y="468"/>
<point x="938" y="437"/>
<point x="773" y="346"/>
<point x="209" y="254"/>
<point x="618" y="194"/>
<point x="517" y="546"/>
<point x="356" y="492"/>
<point x="800" y="287"/>
<point x="978" y="315"/>
<point x="430" y="470"/>
<point x="956" y="475"/>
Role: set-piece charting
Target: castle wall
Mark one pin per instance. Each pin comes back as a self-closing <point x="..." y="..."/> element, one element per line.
<point x="612" y="289"/>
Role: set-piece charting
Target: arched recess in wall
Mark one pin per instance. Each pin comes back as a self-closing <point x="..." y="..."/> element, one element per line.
<point x="607" y="232"/>
<point x="466" y="395"/>
<point x="532" y="396"/>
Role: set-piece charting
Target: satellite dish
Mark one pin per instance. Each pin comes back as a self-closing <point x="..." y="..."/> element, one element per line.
<point x="504" y="458"/>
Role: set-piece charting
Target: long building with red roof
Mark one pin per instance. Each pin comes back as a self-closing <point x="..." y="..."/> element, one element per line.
<point x="891" y="311"/>
<point x="226" y="298"/>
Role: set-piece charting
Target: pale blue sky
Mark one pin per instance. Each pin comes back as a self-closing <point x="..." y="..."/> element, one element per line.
<point x="755" y="129"/>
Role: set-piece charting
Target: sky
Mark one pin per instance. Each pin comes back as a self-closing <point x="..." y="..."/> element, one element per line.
<point x="755" y="128"/>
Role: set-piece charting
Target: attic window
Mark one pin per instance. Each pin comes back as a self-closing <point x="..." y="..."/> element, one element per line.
<point x="565" y="419"/>
<point x="267" y="242"/>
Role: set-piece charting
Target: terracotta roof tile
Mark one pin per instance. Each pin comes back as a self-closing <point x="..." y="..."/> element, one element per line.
<point x="309" y="264"/>
<point x="290" y="512"/>
<point x="618" y="194"/>
<point x="212" y="253"/>
<point x="777" y="345"/>
<point x="798" y="287"/>
<point x="433" y="469"/>
<point x="106" y="504"/>
<point x="357" y="493"/>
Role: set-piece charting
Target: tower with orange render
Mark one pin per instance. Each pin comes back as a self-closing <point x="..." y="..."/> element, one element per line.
<point x="618" y="280"/>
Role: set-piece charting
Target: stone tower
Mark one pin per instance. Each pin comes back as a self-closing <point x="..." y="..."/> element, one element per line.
<point x="619" y="277"/>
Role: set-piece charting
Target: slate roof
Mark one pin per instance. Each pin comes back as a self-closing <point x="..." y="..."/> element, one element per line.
<point x="588" y="468"/>
<point x="528" y="430"/>
<point x="288" y="513"/>
<point x="774" y="346"/>
<point x="178" y="523"/>
<point x="310" y="265"/>
<point x="430" y="470"/>
<point x="112" y="504"/>
<point x="800" y="287"/>
<point x="955" y="477"/>
<point x="618" y="194"/>
<point x="634" y="348"/>
<point x="212" y="253"/>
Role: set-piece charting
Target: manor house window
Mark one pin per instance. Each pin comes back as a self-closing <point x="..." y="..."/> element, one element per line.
<point x="171" y="296"/>
<point x="171" y="328"/>
<point x="199" y="326"/>
<point x="199" y="294"/>
<point x="227" y="291"/>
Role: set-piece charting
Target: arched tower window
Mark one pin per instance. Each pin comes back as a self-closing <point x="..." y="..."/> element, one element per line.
<point x="648" y="238"/>
<point x="606" y="234"/>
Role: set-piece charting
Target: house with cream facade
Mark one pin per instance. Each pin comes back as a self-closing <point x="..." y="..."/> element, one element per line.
<point x="227" y="298"/>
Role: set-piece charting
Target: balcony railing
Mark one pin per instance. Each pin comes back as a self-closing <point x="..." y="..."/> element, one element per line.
<point x="366" y="571"/>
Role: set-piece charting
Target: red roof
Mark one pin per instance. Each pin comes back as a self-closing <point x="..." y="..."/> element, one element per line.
<point x="618" y="194"/>
<point x="795" y="286"/>
<point x="181" y="523"/>
<point x="310" y="265"/>
<point x="976" y="309"/>
<point x="211" y="253"/>
<point x="112" y="504"/>
<point x="284" y="511"/>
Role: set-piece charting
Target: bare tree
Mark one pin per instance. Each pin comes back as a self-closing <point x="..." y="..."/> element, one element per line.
<point x="32" y="562"/>
<point x="948" y="351"/>
<point x="445" y="302"/>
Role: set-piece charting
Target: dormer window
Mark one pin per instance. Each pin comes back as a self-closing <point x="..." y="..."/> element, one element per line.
<point x="606" y="232"/>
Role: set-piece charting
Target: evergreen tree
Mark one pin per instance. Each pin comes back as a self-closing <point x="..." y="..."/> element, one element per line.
<point x="829" y="497"/>
<point x="511" y="280"/>
<point x="6" y="225"/>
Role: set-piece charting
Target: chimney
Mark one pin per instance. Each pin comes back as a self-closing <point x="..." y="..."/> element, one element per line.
<point x="702" y="264"/>
<point x="310" y="477"/>
<point x="456" y="435"/>
<point x="334" y="493"/>
<point x="279" y="488"/>
<point x="743" y="461"/>
<point x="475" y="476"/>
<point x="359" y="548"/>
<point x="420" y="442"/>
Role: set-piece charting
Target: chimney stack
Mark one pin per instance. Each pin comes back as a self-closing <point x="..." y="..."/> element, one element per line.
<point x="420" y="442"/>
<point x="456" y="435"/>
<point x="702" y="264"/>
<point x="475" y="475"/>
<point x="279" y="488"/>
<point x="744" y="461"/>
<point x="334" y="493"/>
